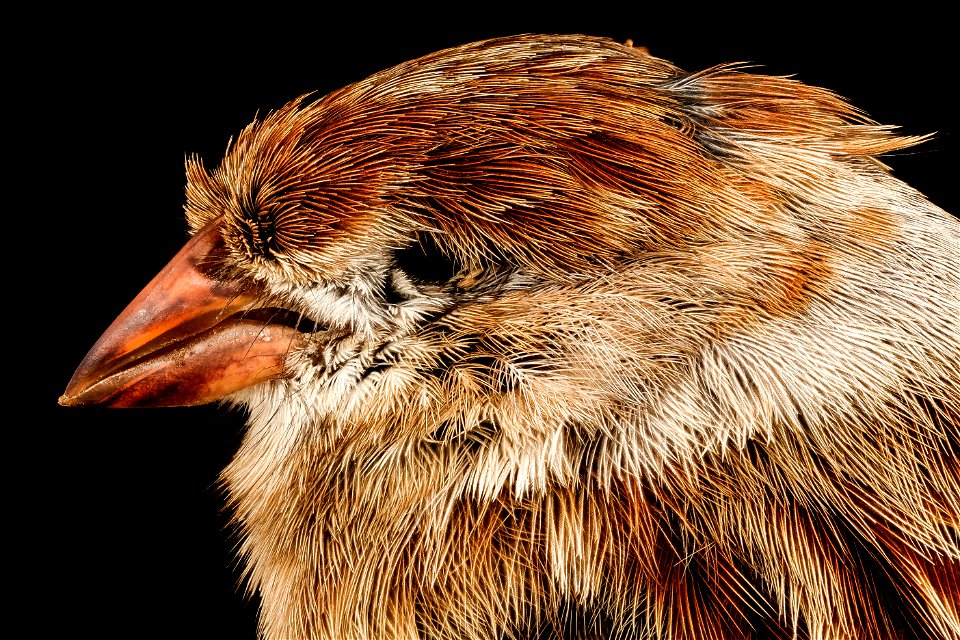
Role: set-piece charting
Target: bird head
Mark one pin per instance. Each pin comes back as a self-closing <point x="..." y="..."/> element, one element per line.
<point x="521" y="324"/>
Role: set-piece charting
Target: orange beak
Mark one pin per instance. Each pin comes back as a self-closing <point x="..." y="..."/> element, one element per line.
<point x="184" y="340"/>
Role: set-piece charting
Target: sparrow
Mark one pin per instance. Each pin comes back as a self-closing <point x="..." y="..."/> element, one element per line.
<point x="544" y="336"/>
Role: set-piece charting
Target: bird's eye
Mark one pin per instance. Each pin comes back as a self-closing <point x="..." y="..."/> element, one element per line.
<point x="425" y="261"/>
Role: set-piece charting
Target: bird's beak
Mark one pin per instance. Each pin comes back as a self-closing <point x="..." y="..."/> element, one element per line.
<point x="186" y="339"/>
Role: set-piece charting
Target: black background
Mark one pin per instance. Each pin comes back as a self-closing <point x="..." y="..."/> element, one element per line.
<point x="115" y="513"/>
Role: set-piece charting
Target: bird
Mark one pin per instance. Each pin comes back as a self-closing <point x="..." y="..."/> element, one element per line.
<point x="544" y="336"/>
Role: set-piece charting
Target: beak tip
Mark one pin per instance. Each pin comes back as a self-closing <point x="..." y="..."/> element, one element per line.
<point x="73" y="394"/>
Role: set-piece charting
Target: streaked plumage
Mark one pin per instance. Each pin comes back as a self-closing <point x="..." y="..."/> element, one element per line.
<point x="556" y="336"/>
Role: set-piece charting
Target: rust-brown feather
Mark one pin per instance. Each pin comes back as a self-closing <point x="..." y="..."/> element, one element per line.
<point x="695" y="374"/>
